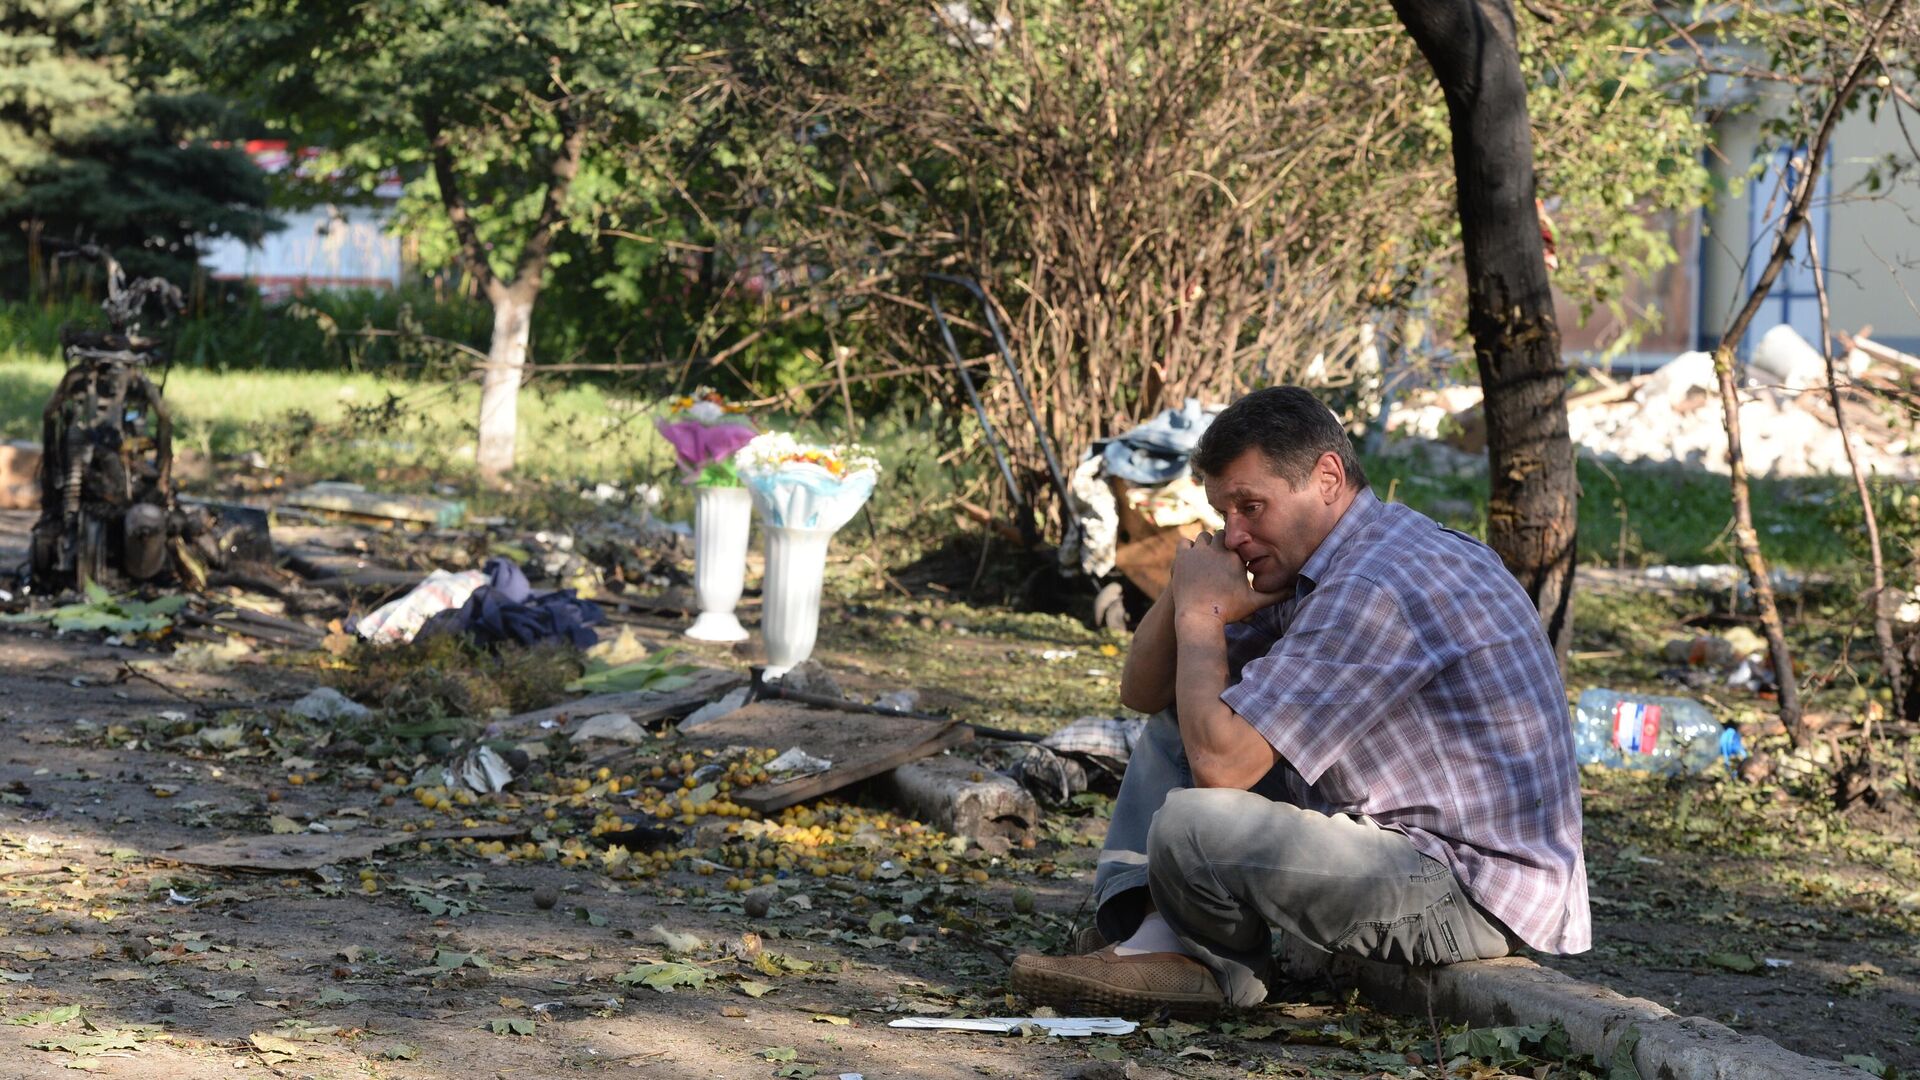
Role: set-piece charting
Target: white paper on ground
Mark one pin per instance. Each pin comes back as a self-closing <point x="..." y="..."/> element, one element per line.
<point x="714" y="710"/>
<point x="1006" y="1025"/>
<point x="796" y="763"/>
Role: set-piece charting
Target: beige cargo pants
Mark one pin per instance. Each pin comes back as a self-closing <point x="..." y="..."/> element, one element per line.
<point x="1227" y="867"/>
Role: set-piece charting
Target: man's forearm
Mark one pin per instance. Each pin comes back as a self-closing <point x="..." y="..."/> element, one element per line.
<point x="1223" y="750"/>
<point x="1146" y="683"/>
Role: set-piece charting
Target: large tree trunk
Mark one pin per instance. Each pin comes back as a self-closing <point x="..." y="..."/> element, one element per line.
<point x="500" y="382"/>
<point x="1531" y="509"/>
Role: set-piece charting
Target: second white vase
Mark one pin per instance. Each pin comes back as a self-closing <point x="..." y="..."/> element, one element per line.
<point x="790" y="594"/>
<point x="722" y="517"/>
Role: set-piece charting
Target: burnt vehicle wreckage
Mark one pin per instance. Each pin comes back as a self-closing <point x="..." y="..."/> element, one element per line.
<point x="110" y="513"/>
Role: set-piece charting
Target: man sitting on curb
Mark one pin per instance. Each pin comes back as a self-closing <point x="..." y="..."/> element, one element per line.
<point x="1366" y="746"/>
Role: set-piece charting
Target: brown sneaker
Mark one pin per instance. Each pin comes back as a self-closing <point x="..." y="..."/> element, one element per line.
<point x="1104" y="982"/>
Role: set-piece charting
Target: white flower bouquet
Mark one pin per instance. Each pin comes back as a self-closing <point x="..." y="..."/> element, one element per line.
<point x="802" y="486"/>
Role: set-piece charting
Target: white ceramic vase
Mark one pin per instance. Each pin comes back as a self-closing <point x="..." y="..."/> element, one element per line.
<point x="790" y="595"/>
<point x="722" y="517"/>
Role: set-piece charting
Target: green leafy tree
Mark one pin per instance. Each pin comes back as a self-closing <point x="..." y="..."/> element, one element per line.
<point x="90" y="150"/>
<point x="1532" y="519"/>
<point x="519" y="123"/>
<point x="1172" y="200"/>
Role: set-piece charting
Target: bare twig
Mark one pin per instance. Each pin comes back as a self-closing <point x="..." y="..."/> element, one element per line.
<point x="1724" y="364"/>
<point x="1877" y="597"/>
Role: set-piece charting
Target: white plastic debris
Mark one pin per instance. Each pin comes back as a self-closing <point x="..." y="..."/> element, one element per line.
<point x="401" y="619"/>
<point x="1782" y="355"/>
<point x="899" y="700"/>
<point x="714" y="710"/>
<point x="1685" y="375"/>
<point x="327" y="704"/>
<point x="1066" y="1026"/>
<point x="797" y="763"/>
<point x="1719" y="576"/>
<point x="481" y="771"/>
<point x="612" y="727"/>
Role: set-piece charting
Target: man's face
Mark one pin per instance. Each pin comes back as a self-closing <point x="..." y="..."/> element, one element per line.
<point x="1271" y="527"/>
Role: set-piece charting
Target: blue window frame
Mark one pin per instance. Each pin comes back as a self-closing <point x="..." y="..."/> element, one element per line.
<point x="1792" y="300"/>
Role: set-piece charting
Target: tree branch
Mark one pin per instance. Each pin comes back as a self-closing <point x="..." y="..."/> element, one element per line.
<point x="1745" y="536"/>
<point x="539" y="246"/>
<point x="472" y="252"/>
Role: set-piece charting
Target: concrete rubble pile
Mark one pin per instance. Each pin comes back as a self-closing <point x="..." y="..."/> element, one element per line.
<point x="1673" y="414"/>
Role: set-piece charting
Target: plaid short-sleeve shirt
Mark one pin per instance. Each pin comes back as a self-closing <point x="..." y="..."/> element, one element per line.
<point x="1408" y="680"/>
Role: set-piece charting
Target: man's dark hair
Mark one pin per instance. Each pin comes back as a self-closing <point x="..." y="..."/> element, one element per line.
<point x="1285" y="423"/>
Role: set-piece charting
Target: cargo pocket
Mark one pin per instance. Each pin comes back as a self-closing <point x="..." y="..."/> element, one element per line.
<point x="1428" y="939"/>
<point x="1444" y="932"/>
<point x="1399" y="941"/>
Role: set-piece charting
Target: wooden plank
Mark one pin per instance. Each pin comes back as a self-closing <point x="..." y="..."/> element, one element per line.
<point x="1609" y="394"/>
<point x="644" y="706"/>
<point x="773" y="797"/>
<point x="1885" y="353"/>
<point x="860" y="745"/>
<point x="354" y="504"/>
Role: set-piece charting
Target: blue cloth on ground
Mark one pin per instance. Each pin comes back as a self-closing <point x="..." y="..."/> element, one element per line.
<point x="505" y="611"/>
<point x="1157" y="451"/>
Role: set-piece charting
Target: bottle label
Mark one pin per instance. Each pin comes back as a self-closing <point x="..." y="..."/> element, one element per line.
<point x="1636" y="727"/>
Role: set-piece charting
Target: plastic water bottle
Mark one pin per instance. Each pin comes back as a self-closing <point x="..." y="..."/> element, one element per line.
<point x="1665" y="735"/>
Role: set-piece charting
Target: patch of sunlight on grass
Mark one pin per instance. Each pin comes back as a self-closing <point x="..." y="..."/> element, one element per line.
<point x="372" y="428"/>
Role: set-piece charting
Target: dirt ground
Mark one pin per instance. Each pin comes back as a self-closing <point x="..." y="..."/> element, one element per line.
<point x="192" y="973"/>
<point x="438" y="959"/>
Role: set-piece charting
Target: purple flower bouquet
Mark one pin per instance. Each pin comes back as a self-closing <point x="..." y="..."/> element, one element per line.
<point x="705" y="431"/>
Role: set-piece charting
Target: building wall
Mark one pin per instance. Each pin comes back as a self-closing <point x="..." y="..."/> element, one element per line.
<point x="322" y="247"/>
<point x="1664" y="304"/>
<point x="1870" y="244"/>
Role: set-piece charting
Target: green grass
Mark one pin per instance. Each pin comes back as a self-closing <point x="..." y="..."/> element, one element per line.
<point x="1648" y="515"/>
<point x="406" y="434"/>
<point x="374" y="428"/>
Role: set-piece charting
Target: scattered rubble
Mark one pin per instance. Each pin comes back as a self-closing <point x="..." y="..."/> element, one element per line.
<point x="962" y="798"/>
<point x="1674" y="414"/>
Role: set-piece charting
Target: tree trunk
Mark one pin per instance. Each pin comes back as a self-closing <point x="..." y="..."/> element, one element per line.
<point x="512" y="303"/>
<point x="500" y="382"/>
<point x="1910" y="708"/>
<point x="1531" y="510"/>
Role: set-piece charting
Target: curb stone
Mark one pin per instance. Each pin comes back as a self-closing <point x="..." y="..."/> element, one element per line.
<point x="1517" y="991"/>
